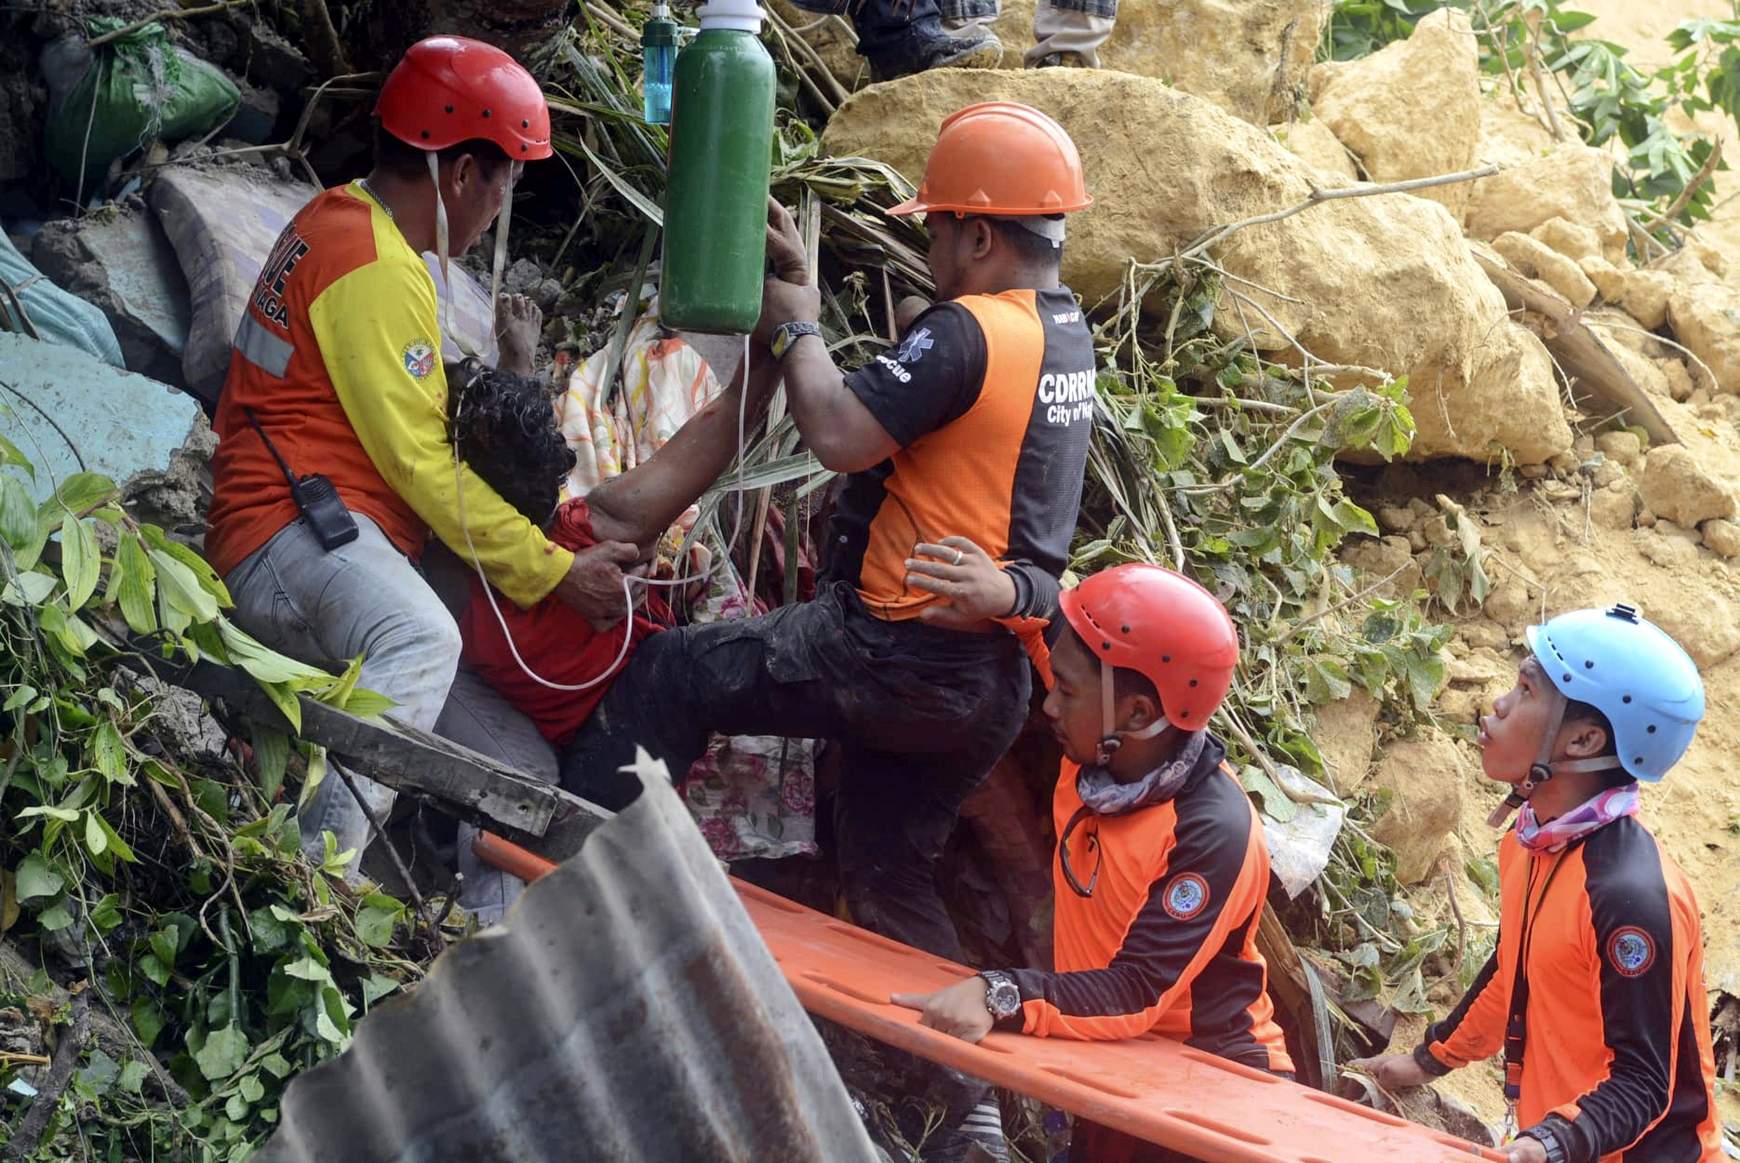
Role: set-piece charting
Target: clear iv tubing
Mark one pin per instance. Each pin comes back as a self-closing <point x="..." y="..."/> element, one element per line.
<point x="627" y="595"/>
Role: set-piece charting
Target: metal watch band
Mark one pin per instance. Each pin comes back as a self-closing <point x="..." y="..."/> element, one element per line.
<point x="1002" y="995"/>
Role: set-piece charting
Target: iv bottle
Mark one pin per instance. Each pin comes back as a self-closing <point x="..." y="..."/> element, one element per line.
<point x="658" y="50"/>
<point x="721" y="157"/>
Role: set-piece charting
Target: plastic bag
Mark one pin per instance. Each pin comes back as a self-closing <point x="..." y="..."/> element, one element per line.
<point x="138" y="88"/>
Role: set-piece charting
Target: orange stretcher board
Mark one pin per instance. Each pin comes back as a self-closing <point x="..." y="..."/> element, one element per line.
<point x="1154" y="1088"/>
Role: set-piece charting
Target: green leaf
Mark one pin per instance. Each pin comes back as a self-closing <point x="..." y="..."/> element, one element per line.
<point x="29" y="589"/>
<point x="178" y="585"/>
<point x="79" y="561"/>
<point x="375" y="925"/>
<point x="9" y="454"/>
<point x="307" y="969"/>
<point x="138" y="586"/>
<point x="148" y="1020"/>
<point x="276" y="1065"/>
<point x="166" y="943"/>
<point x="18" y="698"/>
<point x="106" y="914"/>
<point x="56" y="918"/>
<point x="154" y="970"/>
<point x="366" y="704"/>
<point x="197" y="565"/>
<point x="376" y="986"/>
<point x="35" y="878"/>
<point x="133" y="1076"/>
<point x="271" y="758"/>
<point x="117" y="847"/>
<point x="236" y="1107"/>
<point x="17" y="513"/>
<point x="252" y="1088"/>
<point x="223" y="1053"/>
<point x="109" y="754"/>
<point x="96" y="840"/>
<point x="80" y="493"/>
<point x="315" y="777"/>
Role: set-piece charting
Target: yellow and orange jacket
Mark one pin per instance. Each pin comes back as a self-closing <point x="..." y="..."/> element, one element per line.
<point x="339" y="358"/>
<point x="1167" y="943"/>
<point x="1617" y="1058"/>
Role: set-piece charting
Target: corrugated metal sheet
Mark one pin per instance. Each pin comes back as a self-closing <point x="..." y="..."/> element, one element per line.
<point x="627" y="1010"/>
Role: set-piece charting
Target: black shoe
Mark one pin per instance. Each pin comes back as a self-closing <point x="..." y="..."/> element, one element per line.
<point x="978" y="50"/>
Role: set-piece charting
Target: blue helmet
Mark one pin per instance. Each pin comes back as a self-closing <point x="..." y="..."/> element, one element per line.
<point x="1632" y="672"/>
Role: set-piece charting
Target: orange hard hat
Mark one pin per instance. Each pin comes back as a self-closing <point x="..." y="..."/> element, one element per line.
<point x="449" y="89"/>
<point x="1164" y="626"/>
<point x="1001" y="158"/>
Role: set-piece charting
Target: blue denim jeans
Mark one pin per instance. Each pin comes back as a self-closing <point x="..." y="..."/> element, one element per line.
<point x="325" y="608"/>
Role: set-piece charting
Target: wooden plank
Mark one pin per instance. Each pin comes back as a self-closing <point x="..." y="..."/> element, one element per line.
<point x="410" y="761"/>
<point x="1595" y="372"/>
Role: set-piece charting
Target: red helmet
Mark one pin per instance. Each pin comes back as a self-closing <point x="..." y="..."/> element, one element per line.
<point x="449" y="89"/>
<point x="1161" y="625"/>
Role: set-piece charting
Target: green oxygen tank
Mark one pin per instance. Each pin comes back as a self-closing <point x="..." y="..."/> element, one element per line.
<point x="721" y="156"/>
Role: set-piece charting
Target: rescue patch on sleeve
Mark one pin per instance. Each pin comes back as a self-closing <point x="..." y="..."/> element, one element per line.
<point x="1186" y="896"/>
<point x="1631" y="951"/>
<point x="419" y="358"/>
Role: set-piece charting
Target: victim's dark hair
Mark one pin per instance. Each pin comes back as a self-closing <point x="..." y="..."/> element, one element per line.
<point x="505" y="428"/>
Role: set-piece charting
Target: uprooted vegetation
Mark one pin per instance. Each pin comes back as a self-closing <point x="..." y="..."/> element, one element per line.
<point x="1256" y="380"/>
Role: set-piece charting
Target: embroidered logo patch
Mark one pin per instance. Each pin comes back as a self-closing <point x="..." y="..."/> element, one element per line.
<point x="912" y="349"/>
<point x="1631" y="951"/>
<point x="419" y="358"/>
<point x="1186" y="896"/>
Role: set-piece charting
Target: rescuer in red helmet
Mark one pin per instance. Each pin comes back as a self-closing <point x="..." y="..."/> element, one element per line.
<point x="334" y="463"/>
<point x="1161" y="868"/>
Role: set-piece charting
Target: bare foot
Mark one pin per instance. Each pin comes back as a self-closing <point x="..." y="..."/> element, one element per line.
<point x="517" y="324"/>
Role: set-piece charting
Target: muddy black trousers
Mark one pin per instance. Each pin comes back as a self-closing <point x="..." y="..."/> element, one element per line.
<point x="921" y="715"/>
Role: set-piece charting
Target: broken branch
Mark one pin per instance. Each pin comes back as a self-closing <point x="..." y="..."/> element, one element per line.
<point x="1361" y="190"/>
<point x="1705" y="172"/>
<point x="24" y="1140"/>
<point x="164" y="14"/>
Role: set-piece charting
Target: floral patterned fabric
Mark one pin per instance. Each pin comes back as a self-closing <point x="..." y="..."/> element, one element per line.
<point x="753" y="796"/>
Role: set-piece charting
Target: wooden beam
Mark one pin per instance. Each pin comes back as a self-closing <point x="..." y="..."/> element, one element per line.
<point x="1595" y="373"/>
<point x="410" y="761"/>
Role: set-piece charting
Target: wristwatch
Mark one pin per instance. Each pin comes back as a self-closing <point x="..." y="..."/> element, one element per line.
<point x="787" y="334"/>
<point x="1002" y="995"/>
<point x="1544" y="1135"/>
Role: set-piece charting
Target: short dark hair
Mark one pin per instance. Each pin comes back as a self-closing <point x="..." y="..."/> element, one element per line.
<point x="504" y="426"/>
<point x="1033" y="249"/>
<point x="406" y="160"/>
<point x="1125" y="682"/>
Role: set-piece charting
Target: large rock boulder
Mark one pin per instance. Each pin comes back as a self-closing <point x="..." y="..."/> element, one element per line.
<point x="1250" y="57"/>
<point x="1422" y="780"/>
<point x="1377" y="281"/>
<point x="1411" y="109"/>
<point x="1316" y="143"/>
<point x="1572" y="181"/>
<point x="1706" y="318"/>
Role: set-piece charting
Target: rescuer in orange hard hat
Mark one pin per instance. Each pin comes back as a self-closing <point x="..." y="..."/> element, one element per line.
<point x="975" y="423"/>
<point x="333" y="463"/>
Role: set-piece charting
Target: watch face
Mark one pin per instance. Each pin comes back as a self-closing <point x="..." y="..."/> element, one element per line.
<point x="1003" y="997"/>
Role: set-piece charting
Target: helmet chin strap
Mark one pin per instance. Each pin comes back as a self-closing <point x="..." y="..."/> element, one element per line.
<point x="1111" y="738"/>
<point x="1543" y="768"/>
<point x="444" y="246"/>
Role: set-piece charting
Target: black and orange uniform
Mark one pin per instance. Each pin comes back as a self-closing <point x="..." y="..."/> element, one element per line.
<point x="991" y="398"/>
<point x="1167" y="940"/>
<point x="1616" y="1057"/>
